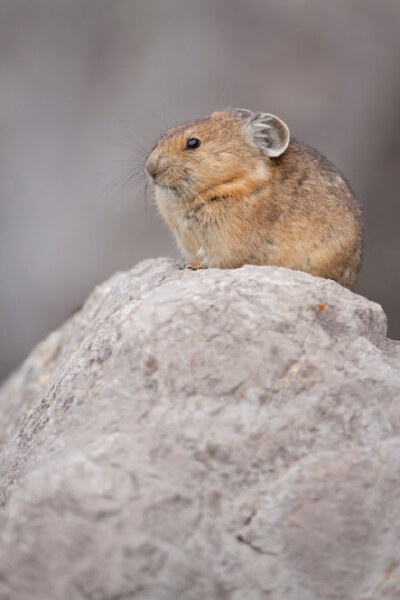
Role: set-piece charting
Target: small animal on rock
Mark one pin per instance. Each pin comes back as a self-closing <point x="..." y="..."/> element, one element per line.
<point x="235" y="189"/>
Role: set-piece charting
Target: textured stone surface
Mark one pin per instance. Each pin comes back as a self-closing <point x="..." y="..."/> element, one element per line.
<point x="211" y="434"/>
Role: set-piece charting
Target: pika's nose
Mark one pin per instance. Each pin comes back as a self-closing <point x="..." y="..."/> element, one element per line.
<point x="151" y="167"/>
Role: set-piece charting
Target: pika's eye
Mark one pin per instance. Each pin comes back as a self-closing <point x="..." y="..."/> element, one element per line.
<point x="192" y="144"/>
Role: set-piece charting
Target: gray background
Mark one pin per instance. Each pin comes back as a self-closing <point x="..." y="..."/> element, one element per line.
<point x="86" y="86"/>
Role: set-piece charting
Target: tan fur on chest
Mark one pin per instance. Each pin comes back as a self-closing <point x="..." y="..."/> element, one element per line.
<point x="212" y="228"/>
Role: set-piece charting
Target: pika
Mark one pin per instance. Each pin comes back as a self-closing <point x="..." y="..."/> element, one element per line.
<point x="236" y="189"/>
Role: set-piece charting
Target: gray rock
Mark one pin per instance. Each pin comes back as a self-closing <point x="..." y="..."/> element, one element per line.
<point x="205" y="435"/>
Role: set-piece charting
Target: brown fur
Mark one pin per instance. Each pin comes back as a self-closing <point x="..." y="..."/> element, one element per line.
<point x="228" y="204"/>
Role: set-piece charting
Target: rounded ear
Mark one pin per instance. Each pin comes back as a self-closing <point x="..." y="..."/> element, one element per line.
<point x="269" y="132"/>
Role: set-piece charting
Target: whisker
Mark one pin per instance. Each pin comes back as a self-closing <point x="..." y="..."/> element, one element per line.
<point x="127" y="179"/>
<point x="131" y="141"/>
<point x="206" y="206"/>
<point x="192" y="192"/>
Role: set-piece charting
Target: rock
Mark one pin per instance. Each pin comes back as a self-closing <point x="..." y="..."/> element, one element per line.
<point x="219" y="434"/>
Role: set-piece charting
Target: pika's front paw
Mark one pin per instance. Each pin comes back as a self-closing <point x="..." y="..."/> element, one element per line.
<point x="195" y="264"/>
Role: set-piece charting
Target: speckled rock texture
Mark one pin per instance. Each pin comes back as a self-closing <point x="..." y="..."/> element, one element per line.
<point x="229" y="435"/>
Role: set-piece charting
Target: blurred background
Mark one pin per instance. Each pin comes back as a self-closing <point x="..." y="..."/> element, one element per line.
<point x="87" y="87"/>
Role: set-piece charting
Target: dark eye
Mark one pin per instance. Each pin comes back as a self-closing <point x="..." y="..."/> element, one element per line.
<point x="192" y="144"/>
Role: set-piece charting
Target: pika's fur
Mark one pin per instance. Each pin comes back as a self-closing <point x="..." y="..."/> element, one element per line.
<point x="235" y="189"/>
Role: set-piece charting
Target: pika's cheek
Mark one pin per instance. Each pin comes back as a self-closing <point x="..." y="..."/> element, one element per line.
<point x="201" y="167"/>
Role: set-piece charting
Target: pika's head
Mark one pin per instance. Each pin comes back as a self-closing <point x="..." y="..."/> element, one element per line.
<point x="225" y="147"/>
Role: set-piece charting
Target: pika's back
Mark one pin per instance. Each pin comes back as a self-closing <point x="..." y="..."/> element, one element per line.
<point x="235" y="189"/>
<point x="304" y="172"/>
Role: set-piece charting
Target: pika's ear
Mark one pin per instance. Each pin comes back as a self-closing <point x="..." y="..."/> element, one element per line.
<point x="268" y="131"/>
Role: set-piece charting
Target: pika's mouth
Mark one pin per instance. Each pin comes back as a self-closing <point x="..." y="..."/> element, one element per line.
<point x="154" y="179"/>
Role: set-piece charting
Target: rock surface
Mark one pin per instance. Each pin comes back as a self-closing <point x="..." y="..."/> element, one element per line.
<point x="205" y="435"/>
